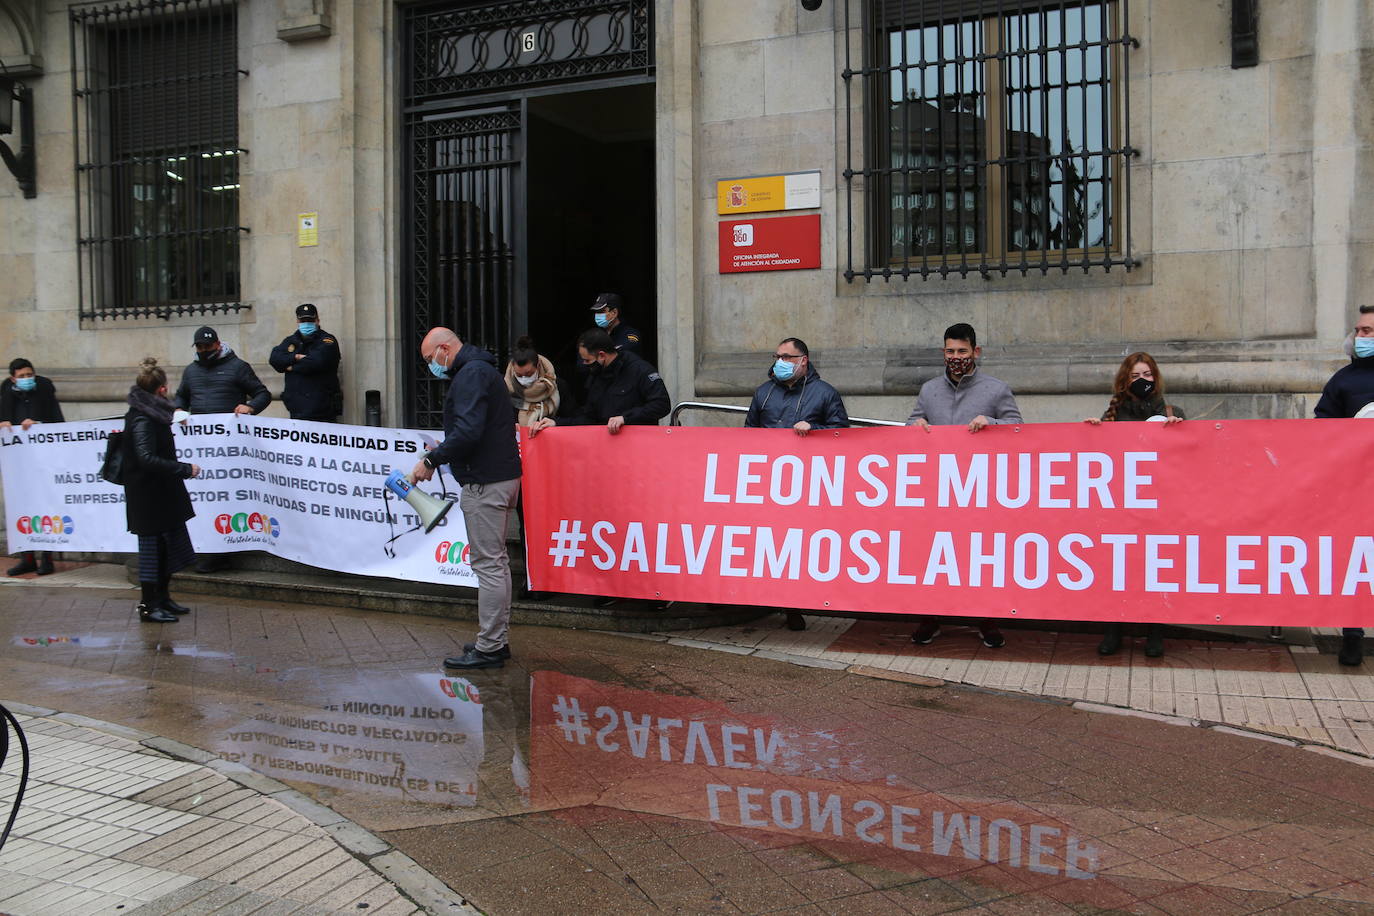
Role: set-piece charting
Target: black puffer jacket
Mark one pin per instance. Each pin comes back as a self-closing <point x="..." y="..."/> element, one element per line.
<point x="479" y="424"/>
<point x="155" y="497"/>
<point x="39" y="404"/>
<point x="220" y="384"/>
<point x="811" y="399"/>
<point x="629" y="387"/>
<point x="1351" y="388"/>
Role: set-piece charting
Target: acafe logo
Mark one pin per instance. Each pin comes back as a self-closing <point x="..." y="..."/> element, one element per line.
<point x="246" y="522"/>
<point x="453" y="552"/>
<point x="460" y="690"/>
<point x="45" y="524"/>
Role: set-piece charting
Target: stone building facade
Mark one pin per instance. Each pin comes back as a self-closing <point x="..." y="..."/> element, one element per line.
<point x="580" y="148"/>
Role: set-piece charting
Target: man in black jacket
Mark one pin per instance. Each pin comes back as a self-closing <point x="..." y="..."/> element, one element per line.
<point x="27" y="398"/>
<point x="622" y="389"/>
<point x="795" y="396"/>
<point x="309" y="359"/>
<point x="1345" y="394"/>
<point x="480" y="449"/>
<point x="218" y="381"/>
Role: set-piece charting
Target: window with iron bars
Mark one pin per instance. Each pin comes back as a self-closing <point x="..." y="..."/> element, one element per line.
<point x="158" y="160"/>
<point x="996" y="138"/>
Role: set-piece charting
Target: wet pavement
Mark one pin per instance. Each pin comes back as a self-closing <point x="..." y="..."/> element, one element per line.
<point x="602" y="774"/>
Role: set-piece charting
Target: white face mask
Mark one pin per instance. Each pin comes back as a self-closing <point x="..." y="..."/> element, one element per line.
<point x="526" y="381"/>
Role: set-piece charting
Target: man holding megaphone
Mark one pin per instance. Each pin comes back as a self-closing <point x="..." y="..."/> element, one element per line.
<point x="480" y="449"/>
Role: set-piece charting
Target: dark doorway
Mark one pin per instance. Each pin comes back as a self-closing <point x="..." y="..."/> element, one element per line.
<point x="590" y="215"/>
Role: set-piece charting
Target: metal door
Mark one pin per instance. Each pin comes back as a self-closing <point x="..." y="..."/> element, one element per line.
<point x="463" y="248"/>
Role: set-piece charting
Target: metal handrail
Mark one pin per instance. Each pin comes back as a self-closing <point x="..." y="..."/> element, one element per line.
<point x="730" y="408"/>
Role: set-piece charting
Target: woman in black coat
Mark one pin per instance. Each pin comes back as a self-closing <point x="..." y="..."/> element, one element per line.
<point x="155" y="499"/>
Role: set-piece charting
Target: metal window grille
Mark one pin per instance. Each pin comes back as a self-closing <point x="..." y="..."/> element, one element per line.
<point x="496" y="45"/>
<point x="155" y="115"/>
<point x="995" y="138"/>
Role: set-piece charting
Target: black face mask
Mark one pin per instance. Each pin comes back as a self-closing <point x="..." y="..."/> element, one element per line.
<point x="1142" y="388"/>
<point x="206" y="357"/>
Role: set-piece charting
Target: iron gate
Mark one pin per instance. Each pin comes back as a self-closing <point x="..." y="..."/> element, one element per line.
<point x="463" y="192"/>
<point x="463" y="253"/>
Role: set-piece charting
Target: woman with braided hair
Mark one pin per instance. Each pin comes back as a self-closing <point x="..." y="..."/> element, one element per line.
<point x="1137" y="394"/>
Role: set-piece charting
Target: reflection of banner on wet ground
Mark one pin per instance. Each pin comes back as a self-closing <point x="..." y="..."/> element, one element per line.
<point x="596" y="744"/>
<point x="417" y="738"/>
<point x="309" y="492"/>
<point x="1236" y="522"/>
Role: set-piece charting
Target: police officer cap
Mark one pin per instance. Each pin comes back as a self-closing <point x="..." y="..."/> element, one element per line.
<point x="205" y="334"/>
<point x="606" y="301"/>
<point x="306" y="311"/>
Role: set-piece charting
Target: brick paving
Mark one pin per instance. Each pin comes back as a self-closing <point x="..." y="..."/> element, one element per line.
<point x="602" y="774"/>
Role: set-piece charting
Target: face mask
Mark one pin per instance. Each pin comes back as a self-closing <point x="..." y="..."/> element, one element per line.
<point x="603" y="320"/>
<point x="593" y="367"/>
<point x="526" y="380"/>
<point x="783" y="370"/>
<point x="207" y="356"/>
<point x="25" y="384"/>
<point x="437" y="370"/>
<point x="1142" y="388"/>
<point x="1364" y="346"/>
<point x="959" y="365"/>
<point x="307" y="328"/>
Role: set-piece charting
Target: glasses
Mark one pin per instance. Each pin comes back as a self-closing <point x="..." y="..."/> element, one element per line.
<point x="788" y="356"/>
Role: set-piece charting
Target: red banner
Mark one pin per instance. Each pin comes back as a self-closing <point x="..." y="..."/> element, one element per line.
<point x="1252" y="522"/>
<point x="779" y="243"/>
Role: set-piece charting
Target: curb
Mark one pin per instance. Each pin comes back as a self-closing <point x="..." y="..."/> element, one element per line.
<point x="915" y="680"/>
<point x="414" y="882"/>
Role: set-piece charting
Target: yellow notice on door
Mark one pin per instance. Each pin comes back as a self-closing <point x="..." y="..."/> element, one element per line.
<point x="307" y="230"/>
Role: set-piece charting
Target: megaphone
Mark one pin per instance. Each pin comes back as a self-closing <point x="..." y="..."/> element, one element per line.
<point x="431" y="509"/>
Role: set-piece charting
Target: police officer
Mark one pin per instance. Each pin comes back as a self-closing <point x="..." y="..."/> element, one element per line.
<point x="310" y="359"/>
<point x="606" y="311"/>
<point x="622" y="389"/>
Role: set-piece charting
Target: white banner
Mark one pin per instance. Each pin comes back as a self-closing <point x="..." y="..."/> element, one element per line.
<point x="304" y="491"/>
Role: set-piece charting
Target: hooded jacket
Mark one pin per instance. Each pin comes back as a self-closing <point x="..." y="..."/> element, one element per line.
<point x="479" y="429"/>
<point x="220" y="384"/>
<point x="1351" y="388"/>
<point x="778" y="405"/>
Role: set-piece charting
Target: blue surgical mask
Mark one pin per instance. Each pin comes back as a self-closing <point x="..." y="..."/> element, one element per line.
<point x="25" y="384"/>
<point x="1364" y="346"/>
<point x="602" y="320"/>
<point x="782" y="370"/>
<point x="308" y="327"/>
<point x="437" y="370"/>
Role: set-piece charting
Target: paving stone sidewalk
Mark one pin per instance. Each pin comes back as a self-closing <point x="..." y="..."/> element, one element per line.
<point x="1293" y="692"/>
<point x="117" y="821"/>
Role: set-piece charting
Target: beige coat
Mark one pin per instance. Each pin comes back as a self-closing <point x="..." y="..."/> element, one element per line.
<point x="540" y="399"/>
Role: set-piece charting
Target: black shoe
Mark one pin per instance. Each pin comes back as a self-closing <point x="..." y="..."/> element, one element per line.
<point x="991" y="636"/>
<point x="45" y="567"/>
<point x="1154" y="643"/>
<point x="1111" y="641"/>
<point x="795" y="621"/>
<point x="1352" y="649"/>
<point x="605" y="602"/>
<point x="167" y="604"/>
<point x="475" y="659"/>
<point x="155" y="615"/>
<point x="502" y="653"/>
<point x="23" y="568"/>
<point x="927" y="631"/>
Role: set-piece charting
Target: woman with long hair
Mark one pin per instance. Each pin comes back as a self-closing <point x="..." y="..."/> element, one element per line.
<point x="156" y="503"/>
<point x="1137" y="394"/>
